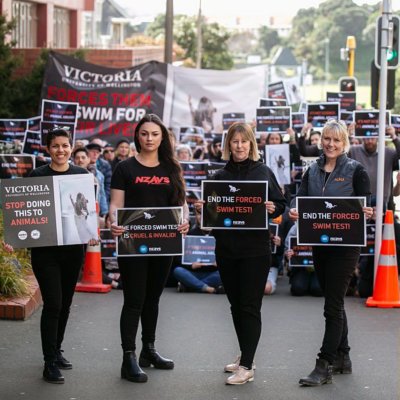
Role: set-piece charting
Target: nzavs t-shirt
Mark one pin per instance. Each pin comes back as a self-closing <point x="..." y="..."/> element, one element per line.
<point x="143" y="186"/>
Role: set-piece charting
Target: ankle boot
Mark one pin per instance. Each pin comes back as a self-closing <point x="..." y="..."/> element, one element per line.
<point x="321" y="374"/>
<point x="61" y="362"/>
<point x="149" y="356"/>
<point x="51" y="373"/>
<point x="130" y="369"/>
<point x="342" y="364"/>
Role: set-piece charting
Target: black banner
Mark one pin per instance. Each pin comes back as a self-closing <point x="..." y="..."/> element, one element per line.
<point x="319" y="113"/>
<point x="367" y="123"/>
<point x="150" y="232"/>
<point x="111" y="100"/>
<point x="107" y="245"/>
<point x="273" y="119"/>
<point x="198" y="249"/>
<point x="229" y="118"/>
<point x="12" y="129"/>
<point x="234" y="204"/>
<point x="333" y="221"/>
<point x="15" y="166"/>
<point x="347" y="100"/>
<point x="302" y="256"/>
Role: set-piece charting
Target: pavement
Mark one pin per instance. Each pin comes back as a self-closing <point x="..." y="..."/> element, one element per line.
<point x="197" y="332"/>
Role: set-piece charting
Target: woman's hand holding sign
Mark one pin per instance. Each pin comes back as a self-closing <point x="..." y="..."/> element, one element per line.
<point x="117" y="230"/>
<point x="293" y="214"/>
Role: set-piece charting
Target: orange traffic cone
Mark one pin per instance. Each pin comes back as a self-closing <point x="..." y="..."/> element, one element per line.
<point x="386" y="289"/>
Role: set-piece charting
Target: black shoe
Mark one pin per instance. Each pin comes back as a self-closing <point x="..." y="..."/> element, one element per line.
<point x="321" y="374"/>
<point x="220" y="290"/>
<point x="61" y="362"/>
<point x="342" y="364"/>
<point x="51" y="373"/>
<point x="180" y="288"/>
<point x="130" y="369"/>
<point x="149" y="356"/>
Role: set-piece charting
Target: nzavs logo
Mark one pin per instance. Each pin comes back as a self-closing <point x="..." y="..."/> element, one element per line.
<point x="324" y="239"/>
<point x="143" y="249"/>
<point x="227" y="222"/>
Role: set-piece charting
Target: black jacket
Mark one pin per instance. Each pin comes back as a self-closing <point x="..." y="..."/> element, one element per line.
<point x="248" y="243"/>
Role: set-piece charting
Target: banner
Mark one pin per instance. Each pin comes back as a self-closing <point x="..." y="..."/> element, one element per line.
<point x="15" y="166"/>
<point x="107" y="245"/>
<point x="111" y="101"/>
<point x="333" y="221"/>
<point x="302" y="256"/>
<point x="150" y="231"/>
<point x="198" y="249"/>
<point x="12" y="129"/>
<point x="367" y="123"/>
<point x="273" y="119"/>
<point x="319" y="113"/>
<point x="49" y="211"/>
<point x="234" y="204"/>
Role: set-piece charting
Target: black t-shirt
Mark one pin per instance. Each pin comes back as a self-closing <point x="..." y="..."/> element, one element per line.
<point x="143" y="186"/>
<point x="45" y="170"/>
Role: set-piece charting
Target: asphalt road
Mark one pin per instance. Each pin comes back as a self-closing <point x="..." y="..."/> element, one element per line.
<point x="196" y="331"/>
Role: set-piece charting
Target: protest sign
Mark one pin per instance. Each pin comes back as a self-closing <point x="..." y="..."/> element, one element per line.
<point x="272" y="102"/>
<point x="107" y="244"/>
<point x="369" y="249"/>
<point x="59" y="112"/>
<point x="367" y="123"/>
<point x="347" y="100"/>
<point x="15" y="166"/>
<point x="33" y="144"/>
<point x="346" y="117"/>
<point x="229" y="118"/>
<point x="395" y="122"/>
<point x="319" y="113"/>
<point x="195" y="172"/>
<point x="199" y="249"/>
<point x="12" y="129"/>
<point x="34" y="124"/>
<point x="298" y="121"/>
<point x="277" y="90"/>
<point x="273" y="119"/>
<point x="150" y="231"/>
<point x="273" y="231"/>
<point x="302" y="256"/>
<point x="333" y="221"/>
<point x="234" y="204"/>
<point x="46" y="127"/>
<point x="49" y="211"/>
<point x="277" y="157"/>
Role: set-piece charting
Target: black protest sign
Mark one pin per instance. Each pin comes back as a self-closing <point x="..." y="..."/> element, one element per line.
<point x="333" y="221"/>
<point x="199" y="249"/>
<point x="395" y="122"/>
<point x="277" y="90"/>
<point x="33" y="144"/>
<point x="273" y="231"/>
<point x="346" y="117"/>
<point x="46" y="127"/>
<point x="302" y="254"/>
<point x="191" y="197"/>
<point x="367" y="123"/>
<point x="319" y="113"/>
<point x="347" y="100"/>
<point x="12" y="129"/>
<point x="34" y="124"/>
<point x="107" y="244"/>
<point x="49" y="211"/>
<point x="273" y="119"/>
<point x="298" y="121"/>
<point x="194" y="173"/>
<point x="234" y="204"/>
<point x="59" y="112"/>
<point x="212" y="168"/>
<point x="272" y="103"/>
<point x="229" y="118"/>
<point x="150" y="232"/>
<point x="15" y="166"/>
<point x="369" y="249"/>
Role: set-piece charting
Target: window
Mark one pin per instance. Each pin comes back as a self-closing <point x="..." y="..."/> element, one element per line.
<point x="25" y="32"/>
<point x="61" y="28"/>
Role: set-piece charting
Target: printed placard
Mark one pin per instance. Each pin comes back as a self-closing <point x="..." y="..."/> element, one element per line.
<point x="49" y="211"/>
<point x="229" y="118"/>
<point x="12" y="129"/>
<point x="277" y="157"/>
<point x="199" y="249"/>
<point x="272" y="102"/>
<point x="319" y="113"/>
<point x="273" y="119"/>
<point x="234" y="204"/>
<point x="195" y="172"/>
<point x="347" y="117"/>
<point x="45" y="127"/>
<point x="33" y="144"/>
<point x="367" y="123"/>
<point x="273" y="231"/>
<point x="59" y="112"/>
<point x="302" y="256"/>
<point x="107" y="244"/>
<point x="298" y="121"/>
<point x="34" y="124"/>
<point x="395" y="122"/>
<point x="150" y="231"/>
<point x="369" y="249"/>
<point x="15" y="166"/>
<point x="333" y="221"/>
<point x="347" y="100"/>
<point x="191" y="197"/>
<point x="277" y="90"/>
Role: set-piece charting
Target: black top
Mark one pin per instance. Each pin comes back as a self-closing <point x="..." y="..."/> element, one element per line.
<point x="45" y="170"/>
<point x="143" y="186"/>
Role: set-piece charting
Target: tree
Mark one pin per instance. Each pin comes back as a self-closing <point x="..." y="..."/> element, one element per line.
<point x="268" y="38"/>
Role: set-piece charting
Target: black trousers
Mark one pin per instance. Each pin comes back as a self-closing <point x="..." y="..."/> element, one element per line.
<point x="244" y="281"/>
<point x="334" y="267"/>
<point x="143" y="281"/>
<point x="56" y="270"/>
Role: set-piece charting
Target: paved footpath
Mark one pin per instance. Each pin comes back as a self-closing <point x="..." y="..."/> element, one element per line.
<point x="196" y="331"/>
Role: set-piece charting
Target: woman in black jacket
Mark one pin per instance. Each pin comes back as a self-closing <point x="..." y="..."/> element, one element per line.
<point x="334" y="174"/>
<point x="243" y="256"/>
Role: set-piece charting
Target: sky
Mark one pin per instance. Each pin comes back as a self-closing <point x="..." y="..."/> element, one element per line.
<point x="214" y="8"/>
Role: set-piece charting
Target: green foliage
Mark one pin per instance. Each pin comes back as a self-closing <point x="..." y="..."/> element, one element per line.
<point x="268" y="39"/>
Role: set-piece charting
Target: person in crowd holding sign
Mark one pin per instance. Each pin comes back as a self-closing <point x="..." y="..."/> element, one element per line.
<point x="243" y="256"/>
<point x="334" y="174"/>
<point x="144" y="278"/>
<point x="57" y="268"/>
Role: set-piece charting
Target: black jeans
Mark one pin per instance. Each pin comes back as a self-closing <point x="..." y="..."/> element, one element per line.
<point x="56" y="270"/>
<point x="334" y="267"/>
<point x="244" y="281"/>
<point x="143" y="281"/>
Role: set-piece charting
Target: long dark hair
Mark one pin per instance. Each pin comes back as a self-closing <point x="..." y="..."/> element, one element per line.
<point x="166" y="157"/>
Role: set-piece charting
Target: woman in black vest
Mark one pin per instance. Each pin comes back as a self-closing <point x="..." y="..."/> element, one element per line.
<point x="334" y="174"/>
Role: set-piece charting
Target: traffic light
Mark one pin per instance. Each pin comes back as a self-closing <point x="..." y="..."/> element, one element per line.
<point x="375" y="73"/>
<point x="392" y="53"/>
<point x="347" y="84"/>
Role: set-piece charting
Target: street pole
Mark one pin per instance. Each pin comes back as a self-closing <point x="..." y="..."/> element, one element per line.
<point x="199" y="39"/>
<point x="326" y="62"/>
<point x="351" y="46"/>
<point x="169" y="26"/>
<point x="386" y="14"/>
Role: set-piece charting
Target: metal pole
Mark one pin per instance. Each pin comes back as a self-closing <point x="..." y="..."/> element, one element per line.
<point x="199" y="39"/>
<point x="326" y="61"/>
<point x="386" y="14"/>
<point x="351" y="45"/>
<point x="169" y="26"/>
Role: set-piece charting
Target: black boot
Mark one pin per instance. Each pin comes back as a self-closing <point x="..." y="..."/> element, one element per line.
<point x="321" y="374"/>
<point x="62" y="362"/>
<point x="149" y="356"/>
<point x="51" y="373"/>
<point x="130" y="369"/>
<point x="342" y="364"/>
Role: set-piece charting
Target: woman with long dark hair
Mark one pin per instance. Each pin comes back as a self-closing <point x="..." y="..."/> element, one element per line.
<point x="144" y="277"/>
